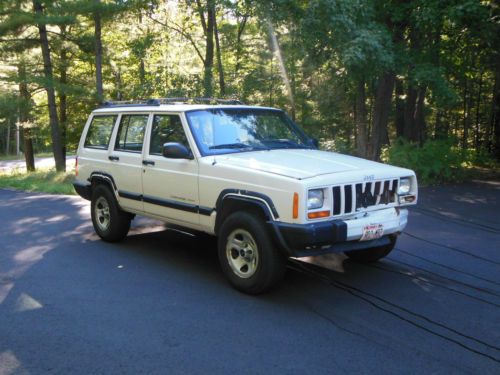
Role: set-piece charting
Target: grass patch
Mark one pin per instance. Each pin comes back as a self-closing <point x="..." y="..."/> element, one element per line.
<point x="46" y="181"/>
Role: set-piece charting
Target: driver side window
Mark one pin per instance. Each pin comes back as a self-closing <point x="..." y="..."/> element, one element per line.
<point x="166" y="128"/>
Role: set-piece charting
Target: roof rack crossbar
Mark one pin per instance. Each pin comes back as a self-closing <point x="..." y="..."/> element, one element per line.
<point x="159" y="101"/>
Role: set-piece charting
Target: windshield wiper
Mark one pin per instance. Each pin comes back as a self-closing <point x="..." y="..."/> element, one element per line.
<point x="237" y="145"/>
<point x="288" y="143"/>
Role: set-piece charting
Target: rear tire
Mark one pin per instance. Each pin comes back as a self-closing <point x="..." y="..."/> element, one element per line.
<point x="374" y="254"/>
<point x="110" y="222"/>
<point x="247" y="255"/>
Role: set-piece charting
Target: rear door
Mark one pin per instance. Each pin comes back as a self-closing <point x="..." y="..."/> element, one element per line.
<point x="126" y="159"/>
<point x="170" y="186"/>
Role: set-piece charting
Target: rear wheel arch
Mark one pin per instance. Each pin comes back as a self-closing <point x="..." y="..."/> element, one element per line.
<point x="98" y="178"/>
<point x="103" y="179"/>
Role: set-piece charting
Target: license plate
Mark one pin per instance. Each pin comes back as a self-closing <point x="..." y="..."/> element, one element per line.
<point x="372" y="232"/>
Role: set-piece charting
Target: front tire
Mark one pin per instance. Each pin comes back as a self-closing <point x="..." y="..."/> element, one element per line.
<point x="374" y="254"/>
<point x="110" y="222"/>
<point x="247" y="255"/>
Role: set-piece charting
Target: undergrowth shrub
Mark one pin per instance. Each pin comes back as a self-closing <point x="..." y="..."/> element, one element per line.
<point x="437" y="161"/>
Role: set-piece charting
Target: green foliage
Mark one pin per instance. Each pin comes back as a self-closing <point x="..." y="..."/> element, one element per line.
<point x="437" y="161"/>
<point x="446" y="50"/>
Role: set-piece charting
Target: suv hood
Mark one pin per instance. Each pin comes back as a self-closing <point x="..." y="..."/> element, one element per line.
<point x="299" y="164"/>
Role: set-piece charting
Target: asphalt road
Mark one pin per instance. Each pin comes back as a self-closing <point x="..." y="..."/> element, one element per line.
<point x="157" y="302"/>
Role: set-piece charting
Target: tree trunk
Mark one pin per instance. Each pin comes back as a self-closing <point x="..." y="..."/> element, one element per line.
<point x="63" y="76"/>
<point x="360" y="119"/>
<point x="49" y="87"/>
<point x="271" y="81"/>
<point x="382" y="108"/>
<point x="24" y="117"/>
<point x="241" y="28"/>
<point x="98" y="52"/>
<point x="118" y="78"/>
<point x="400" y="108"/>
<point x="142" y="73"/>
<point x="220" y="68"/>
<point x="477" y="135"/>
<point x="441" y="127"/>
<point x="142" y="66"/>
<point x="7" y="140"/>
<point x="409" y="114"/>
<point x="414" y="105"/>
<point x="465" y="133"/>
<point x="209" y="48"/>
<point x="495" y="113"/>
<point x="419" y="121"/>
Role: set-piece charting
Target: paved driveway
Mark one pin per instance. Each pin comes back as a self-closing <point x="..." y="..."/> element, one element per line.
<point x="157" y="302"/>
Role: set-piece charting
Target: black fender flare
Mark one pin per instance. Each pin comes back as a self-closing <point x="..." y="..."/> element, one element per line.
<point x="103" y="177"/>
<point x="262" y="201"/>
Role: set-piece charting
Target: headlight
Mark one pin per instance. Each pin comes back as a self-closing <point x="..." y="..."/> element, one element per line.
<point x="315" y="199"/>
<point x="404" y="186"/>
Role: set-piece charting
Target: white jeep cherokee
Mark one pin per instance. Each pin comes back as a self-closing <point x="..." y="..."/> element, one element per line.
<point x="248" y="175"/>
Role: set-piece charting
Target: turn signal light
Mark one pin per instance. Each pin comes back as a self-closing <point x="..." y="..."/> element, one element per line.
<point x="295" y="211"/>
<point x="407" y="199"/>
<point x="318" y="214"/>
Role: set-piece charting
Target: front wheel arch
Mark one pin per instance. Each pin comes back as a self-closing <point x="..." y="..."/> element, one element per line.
<point x="232" y="204"/>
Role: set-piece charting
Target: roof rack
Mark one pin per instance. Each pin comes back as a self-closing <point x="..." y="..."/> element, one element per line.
<point x="159" y="101"/>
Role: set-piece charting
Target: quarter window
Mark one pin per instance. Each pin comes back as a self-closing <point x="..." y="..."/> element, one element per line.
<point x="131" y="133"/>
<point x="99" y="132"/>
<point x="166" y="128"/>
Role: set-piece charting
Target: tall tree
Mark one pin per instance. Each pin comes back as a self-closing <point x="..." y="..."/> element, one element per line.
<point x="98" y="50"/>
<point x="24" y="117"/>
<point x="57" y="147"/>
<point x="220" y="67"/>
<point x="206" y="13"/>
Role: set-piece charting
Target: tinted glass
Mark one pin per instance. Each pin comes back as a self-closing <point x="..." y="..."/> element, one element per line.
<point x="166" y="128"/>
<point x="131" y="133"/>
<point x="99" y="132"/>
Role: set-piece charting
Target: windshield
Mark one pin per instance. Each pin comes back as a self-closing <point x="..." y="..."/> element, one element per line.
<point x="228" y="130"/>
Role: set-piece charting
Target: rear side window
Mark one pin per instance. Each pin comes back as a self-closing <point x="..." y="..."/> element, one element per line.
<point x="166" y="128"/>
<point x="99" y="132"/>
<point x="131" y="133"/>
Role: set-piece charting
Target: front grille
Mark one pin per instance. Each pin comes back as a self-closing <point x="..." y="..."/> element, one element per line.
<point x="358" y="197"/>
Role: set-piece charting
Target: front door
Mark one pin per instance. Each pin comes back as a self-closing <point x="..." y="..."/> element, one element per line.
<point x="170" y="186"/>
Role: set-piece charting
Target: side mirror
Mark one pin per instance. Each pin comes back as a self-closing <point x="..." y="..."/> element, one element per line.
<point x="313" y="142"/>
<point x="174" y="150"/>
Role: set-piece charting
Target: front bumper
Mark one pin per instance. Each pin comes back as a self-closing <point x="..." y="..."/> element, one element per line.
<point x="337" y="236"/>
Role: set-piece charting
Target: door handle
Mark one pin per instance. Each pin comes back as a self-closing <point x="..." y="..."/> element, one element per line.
<point x="148" y="162"/>
<point x="113" y="158"/>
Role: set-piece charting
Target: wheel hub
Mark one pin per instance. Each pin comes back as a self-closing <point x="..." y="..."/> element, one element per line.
<point x="101" y="212"/>
<point x="242" y="253"/>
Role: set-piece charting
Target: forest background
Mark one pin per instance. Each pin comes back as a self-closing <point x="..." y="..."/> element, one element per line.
<point x="415" y="83"/>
